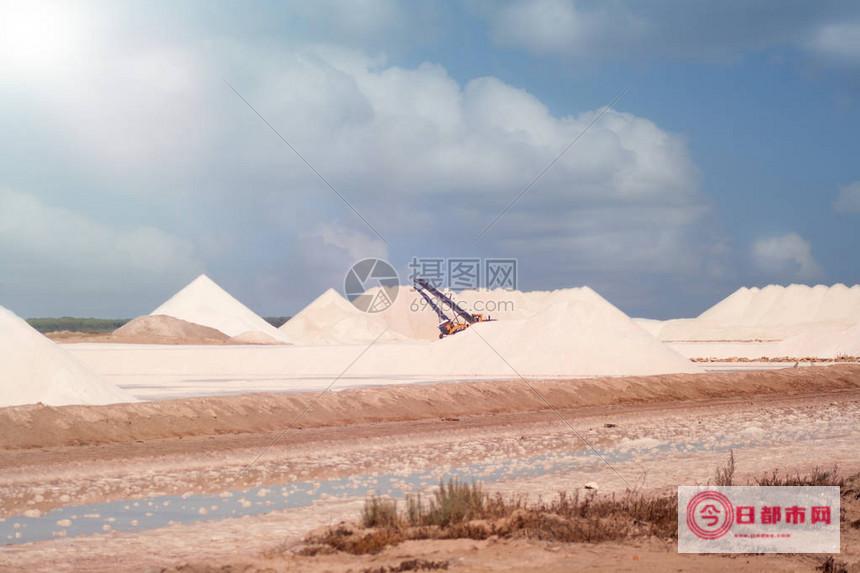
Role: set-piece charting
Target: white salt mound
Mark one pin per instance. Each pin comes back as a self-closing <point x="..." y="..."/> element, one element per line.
<point x="776" y="305"/>
<point x="204" y="302"/>
<point x="412" y="318"/>
<point x="33" y="369"/>
<point x="331" y="319"/>
<point x="578" y="333"/>
<point x="568" y="332"/>
<point x="774" y="313"/>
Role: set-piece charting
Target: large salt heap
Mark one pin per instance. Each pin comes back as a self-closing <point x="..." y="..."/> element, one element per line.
<point x="331" y="319"/>
<point x="204" y="302"/>
<point x="411" y="317"/>
<point x="776" y="305"/>
<point x="567" y="332"/>
<point x="499" y="304"/>
<point x="577" y="333"/>
<point x="774" y="312"/>
<point x="33" y="369"/>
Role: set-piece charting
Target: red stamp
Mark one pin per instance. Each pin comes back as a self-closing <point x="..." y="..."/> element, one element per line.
<point x="710" y="515"/>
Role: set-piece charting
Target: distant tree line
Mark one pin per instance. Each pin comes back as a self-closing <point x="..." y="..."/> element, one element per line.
<point x="76" y="324"/>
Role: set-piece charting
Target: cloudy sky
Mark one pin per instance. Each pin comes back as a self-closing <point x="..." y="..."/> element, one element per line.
<point x="128" y="163"/>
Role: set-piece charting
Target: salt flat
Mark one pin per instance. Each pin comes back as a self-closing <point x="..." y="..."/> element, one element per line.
<point x="566" y="333"/>
<point x="155" y="372"/>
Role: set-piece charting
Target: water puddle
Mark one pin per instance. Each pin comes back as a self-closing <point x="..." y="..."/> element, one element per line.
<point x="152" y="512"/>
<point x="160" y="511"/>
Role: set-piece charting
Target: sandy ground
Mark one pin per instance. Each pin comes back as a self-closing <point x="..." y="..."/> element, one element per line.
<point x="479" y="556"/>
<point x="676" y="433"/>
<point x="82" y="425"/>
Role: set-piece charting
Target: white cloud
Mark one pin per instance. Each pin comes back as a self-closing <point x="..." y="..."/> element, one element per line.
<point x="839" y="42"/>
<point x="849" y="199"/>
<point x="398" y="141"/>
<point x="428" y="160"/>
<point x="355" y="245"/>
<point x="397" y="132"/>
<point x="44" y="248"/>
<point x="787" y="255"/>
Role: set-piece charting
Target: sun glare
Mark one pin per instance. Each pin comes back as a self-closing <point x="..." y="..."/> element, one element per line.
<point x="37" y="34"/>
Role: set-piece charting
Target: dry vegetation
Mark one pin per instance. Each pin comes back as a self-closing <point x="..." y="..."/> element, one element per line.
<point x="459" y="510"/>
<point x="818" y="476"/>
<point x="725" y="475"/>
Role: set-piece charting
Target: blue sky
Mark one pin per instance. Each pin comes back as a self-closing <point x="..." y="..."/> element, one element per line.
<point x="128" y="166"/>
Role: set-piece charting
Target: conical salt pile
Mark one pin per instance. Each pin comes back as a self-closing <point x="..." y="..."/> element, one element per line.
<point x="776" y="305"/>
<point x="774" y="312"/>
<point x="33" y="369"/>
<point x="578" y="333"/>
<point x="204" y="302"/>
<point x="331" y="319"/>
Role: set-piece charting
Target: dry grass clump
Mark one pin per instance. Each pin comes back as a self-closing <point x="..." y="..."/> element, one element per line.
<point x="452" y="503"/>
<point x="818" y="476"/>
<point x="463" y="510"/>
<point x="379" y="512"/>
<point x="725" y="475"/>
